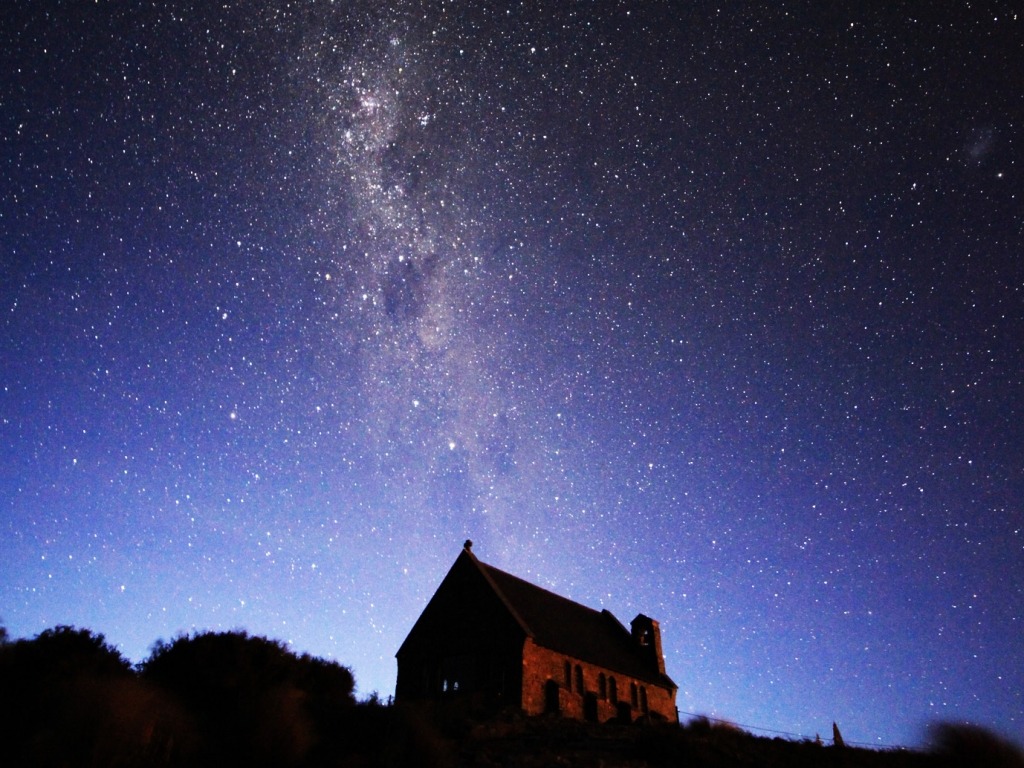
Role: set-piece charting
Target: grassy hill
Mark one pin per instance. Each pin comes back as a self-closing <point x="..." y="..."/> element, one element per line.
<point x="514" y="741"/>
<point x="442" y="737"/>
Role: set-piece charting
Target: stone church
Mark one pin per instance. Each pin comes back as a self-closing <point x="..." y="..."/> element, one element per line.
<point x="497" y="641"/>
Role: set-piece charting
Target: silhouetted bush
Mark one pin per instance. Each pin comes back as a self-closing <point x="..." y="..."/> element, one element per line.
<point x="256" y="702"/>
<point x="69" y="699"/>
<point x="376" y="735"/>
<point x="970" y="746"/>
<point x="63" y="651"/>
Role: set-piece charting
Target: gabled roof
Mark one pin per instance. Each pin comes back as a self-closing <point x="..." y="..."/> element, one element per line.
<point x="562" y="625"/>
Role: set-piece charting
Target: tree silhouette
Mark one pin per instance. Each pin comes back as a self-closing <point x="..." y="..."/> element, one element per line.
<point x="69" y="698"/>
<point x="66" y="651"/>
<point x="257" y="703"/>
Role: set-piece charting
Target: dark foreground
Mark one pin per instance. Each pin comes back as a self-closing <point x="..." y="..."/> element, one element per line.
<point x="518" y="742"/>
<point x="69" y="700"/>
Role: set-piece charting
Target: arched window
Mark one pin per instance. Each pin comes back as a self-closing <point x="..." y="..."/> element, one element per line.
<point x="613" y="690"/>
<point x="602" y="686"/>
<point x="568" y="675"/>
<point x="551" y="699"/>
<point x="579" y="680"/>
<point x="633" y="697"/>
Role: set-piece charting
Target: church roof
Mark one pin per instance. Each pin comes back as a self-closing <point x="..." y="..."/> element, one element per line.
<point x="561" y="625"/>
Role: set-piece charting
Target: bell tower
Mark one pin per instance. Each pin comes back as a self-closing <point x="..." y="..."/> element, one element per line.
<point x="647" y="635"/>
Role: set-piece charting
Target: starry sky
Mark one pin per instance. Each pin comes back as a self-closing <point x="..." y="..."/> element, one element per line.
<point x="711" y="311"/>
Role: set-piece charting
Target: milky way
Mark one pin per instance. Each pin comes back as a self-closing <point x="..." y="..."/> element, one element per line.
<point x="416" y="284"/>
<point x="709" y="312"/>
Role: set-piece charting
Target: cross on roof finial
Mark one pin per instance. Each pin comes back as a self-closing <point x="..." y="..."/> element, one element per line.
<point x="468" y="544"/>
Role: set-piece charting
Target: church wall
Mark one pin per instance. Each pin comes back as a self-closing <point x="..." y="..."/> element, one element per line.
<point x="543" y="669"/>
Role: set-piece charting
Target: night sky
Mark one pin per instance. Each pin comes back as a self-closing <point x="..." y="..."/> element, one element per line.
<point x="710" y="311"/>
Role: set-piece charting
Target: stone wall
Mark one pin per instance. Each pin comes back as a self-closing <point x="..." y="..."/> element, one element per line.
<point x="543" y="669"/>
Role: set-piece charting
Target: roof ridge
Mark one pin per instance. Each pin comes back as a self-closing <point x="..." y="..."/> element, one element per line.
<point x="555" y="595"/>
<point x="484" y="569"/>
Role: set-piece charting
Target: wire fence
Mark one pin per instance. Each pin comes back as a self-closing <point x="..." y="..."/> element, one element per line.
<point x="789" y="734"/>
